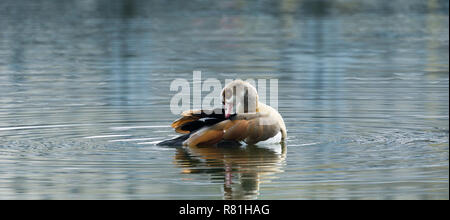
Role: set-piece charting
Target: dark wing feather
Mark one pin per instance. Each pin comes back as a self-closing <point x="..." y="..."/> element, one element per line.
<point x="200" y="123"/>
<point x="194" y="120"/>
<point x="178" y="141"/>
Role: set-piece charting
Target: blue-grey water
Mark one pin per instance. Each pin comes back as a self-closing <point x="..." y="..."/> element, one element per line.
<point x="85" y="93"/>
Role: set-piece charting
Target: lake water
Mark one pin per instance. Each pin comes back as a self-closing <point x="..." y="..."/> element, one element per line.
<point x="363" y="89"/>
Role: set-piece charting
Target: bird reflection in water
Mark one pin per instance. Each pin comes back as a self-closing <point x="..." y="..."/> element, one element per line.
<point x="241" y="169"/>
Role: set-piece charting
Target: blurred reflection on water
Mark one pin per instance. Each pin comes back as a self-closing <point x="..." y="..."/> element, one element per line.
<point x="84" y="97"/>
<point x="241" y="170"/>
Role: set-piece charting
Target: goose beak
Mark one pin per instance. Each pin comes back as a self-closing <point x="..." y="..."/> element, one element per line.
<point x="228" y="109"/>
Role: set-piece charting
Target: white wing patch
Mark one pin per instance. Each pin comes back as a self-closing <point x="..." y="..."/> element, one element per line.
<point x="273" y="140"/>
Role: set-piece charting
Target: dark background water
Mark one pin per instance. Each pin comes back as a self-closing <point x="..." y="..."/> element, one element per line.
<point x="363" y="89"/>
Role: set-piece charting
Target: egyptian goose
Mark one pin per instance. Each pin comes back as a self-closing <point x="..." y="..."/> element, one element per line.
<point x="242" y="118"/>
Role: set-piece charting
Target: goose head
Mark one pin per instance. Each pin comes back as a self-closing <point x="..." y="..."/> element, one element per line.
<point x="239" y="97"/>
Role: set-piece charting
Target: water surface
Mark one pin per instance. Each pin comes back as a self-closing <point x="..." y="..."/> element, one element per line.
<point x="363" y="89"/>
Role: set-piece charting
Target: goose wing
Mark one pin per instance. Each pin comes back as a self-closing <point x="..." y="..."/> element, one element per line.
<point x="193" y="120"/>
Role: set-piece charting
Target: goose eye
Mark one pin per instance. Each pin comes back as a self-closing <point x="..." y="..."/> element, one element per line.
<point x="228" y="94"/>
